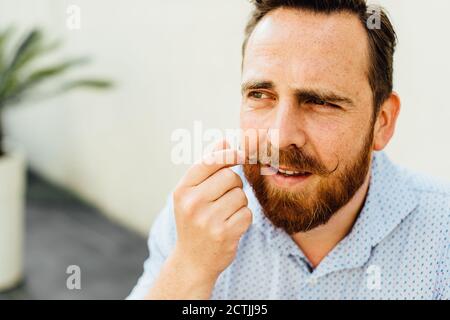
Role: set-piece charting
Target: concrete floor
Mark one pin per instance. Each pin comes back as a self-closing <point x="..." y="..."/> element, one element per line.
<point x="62" y="231"/>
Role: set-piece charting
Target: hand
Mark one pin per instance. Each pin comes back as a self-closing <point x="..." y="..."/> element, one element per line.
<point x="211" y="214"/>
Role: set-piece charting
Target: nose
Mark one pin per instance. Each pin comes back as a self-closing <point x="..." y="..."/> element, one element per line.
<point x="287" y="126"/>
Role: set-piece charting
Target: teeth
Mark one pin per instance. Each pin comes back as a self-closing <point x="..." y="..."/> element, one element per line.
<point x="287" y="172"/>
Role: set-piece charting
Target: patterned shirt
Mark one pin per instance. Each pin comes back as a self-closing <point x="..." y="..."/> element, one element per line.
<point x="398" y="248"/>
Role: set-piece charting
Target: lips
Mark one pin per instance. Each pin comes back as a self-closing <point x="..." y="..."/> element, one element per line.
<point x="290" y="178"/>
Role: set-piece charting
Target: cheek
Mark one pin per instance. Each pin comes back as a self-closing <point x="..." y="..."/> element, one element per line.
<point x="253" y="131"/>
<point x="245" y="120"/>
<point x="260" y="119"/>
<point x="338" y="141"/>
<point x="330" y="139"/>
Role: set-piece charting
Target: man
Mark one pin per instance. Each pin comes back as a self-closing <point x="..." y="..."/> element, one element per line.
<point x="338" y="220"/>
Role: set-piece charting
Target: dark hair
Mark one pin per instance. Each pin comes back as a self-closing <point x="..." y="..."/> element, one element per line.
<point x="382" y="37"/>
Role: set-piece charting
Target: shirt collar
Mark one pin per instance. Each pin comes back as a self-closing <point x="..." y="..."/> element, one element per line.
<point x="389" y="200"/>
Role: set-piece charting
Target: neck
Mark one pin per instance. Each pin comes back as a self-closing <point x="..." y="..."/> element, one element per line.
<point x="317" y="243"/>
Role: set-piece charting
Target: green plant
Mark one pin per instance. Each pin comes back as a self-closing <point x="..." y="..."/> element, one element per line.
<point x="19" y="76"/>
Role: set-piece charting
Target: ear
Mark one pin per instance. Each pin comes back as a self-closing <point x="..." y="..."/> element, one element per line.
<point x="386" y="121"/>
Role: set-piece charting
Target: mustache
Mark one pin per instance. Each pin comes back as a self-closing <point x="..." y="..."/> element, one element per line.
<point x="297" y="159"/>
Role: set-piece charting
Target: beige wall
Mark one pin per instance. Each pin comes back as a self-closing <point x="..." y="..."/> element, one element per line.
<point x="177" y="61"/>
<point x="421" y="78"/>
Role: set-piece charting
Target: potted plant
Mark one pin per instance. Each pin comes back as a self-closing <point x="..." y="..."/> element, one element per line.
<point x="19" y="80"/>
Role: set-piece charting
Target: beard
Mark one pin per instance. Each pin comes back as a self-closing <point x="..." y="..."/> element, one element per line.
<point x="311" y="207"/>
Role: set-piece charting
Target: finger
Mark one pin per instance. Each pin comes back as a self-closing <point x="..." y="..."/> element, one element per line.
<point x="229" y="203"/>
<point x="217" y="146"/>
<point x="219" y="183"/>
<point x="239" y="222"/>
<point x="221" y="145"/>
<point x="210" y="164"/>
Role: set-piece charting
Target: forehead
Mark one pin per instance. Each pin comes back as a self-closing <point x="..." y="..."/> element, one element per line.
<point x="307" y="48"/>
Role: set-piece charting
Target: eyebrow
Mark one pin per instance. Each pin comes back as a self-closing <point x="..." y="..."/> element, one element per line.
<point x="301" y="94"/>
<point x="255" y="85"/>
<point x="328" y="96"/>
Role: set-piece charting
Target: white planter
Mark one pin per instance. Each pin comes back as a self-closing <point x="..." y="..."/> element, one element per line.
<point x="12" y="198"/>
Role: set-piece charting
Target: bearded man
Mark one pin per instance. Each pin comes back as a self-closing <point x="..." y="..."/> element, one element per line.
<point x="336" y="219"/>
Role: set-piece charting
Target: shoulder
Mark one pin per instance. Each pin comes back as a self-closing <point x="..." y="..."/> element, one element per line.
<point x="433" y="193"/>
<point x="426" y="184"/>
<point x="431" y="217"/>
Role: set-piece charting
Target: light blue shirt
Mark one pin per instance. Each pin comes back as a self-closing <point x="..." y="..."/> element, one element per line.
<point x="398" y="248"/>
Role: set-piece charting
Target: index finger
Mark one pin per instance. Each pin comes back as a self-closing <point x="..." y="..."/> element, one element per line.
<point x="210" y="164"/>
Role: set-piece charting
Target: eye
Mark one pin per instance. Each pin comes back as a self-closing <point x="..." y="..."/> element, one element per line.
<point x="320" y="102"/>
<point x="258" y="95"/>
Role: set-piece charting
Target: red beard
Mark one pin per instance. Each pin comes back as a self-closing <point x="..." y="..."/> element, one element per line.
<point x="308" y="209"/>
